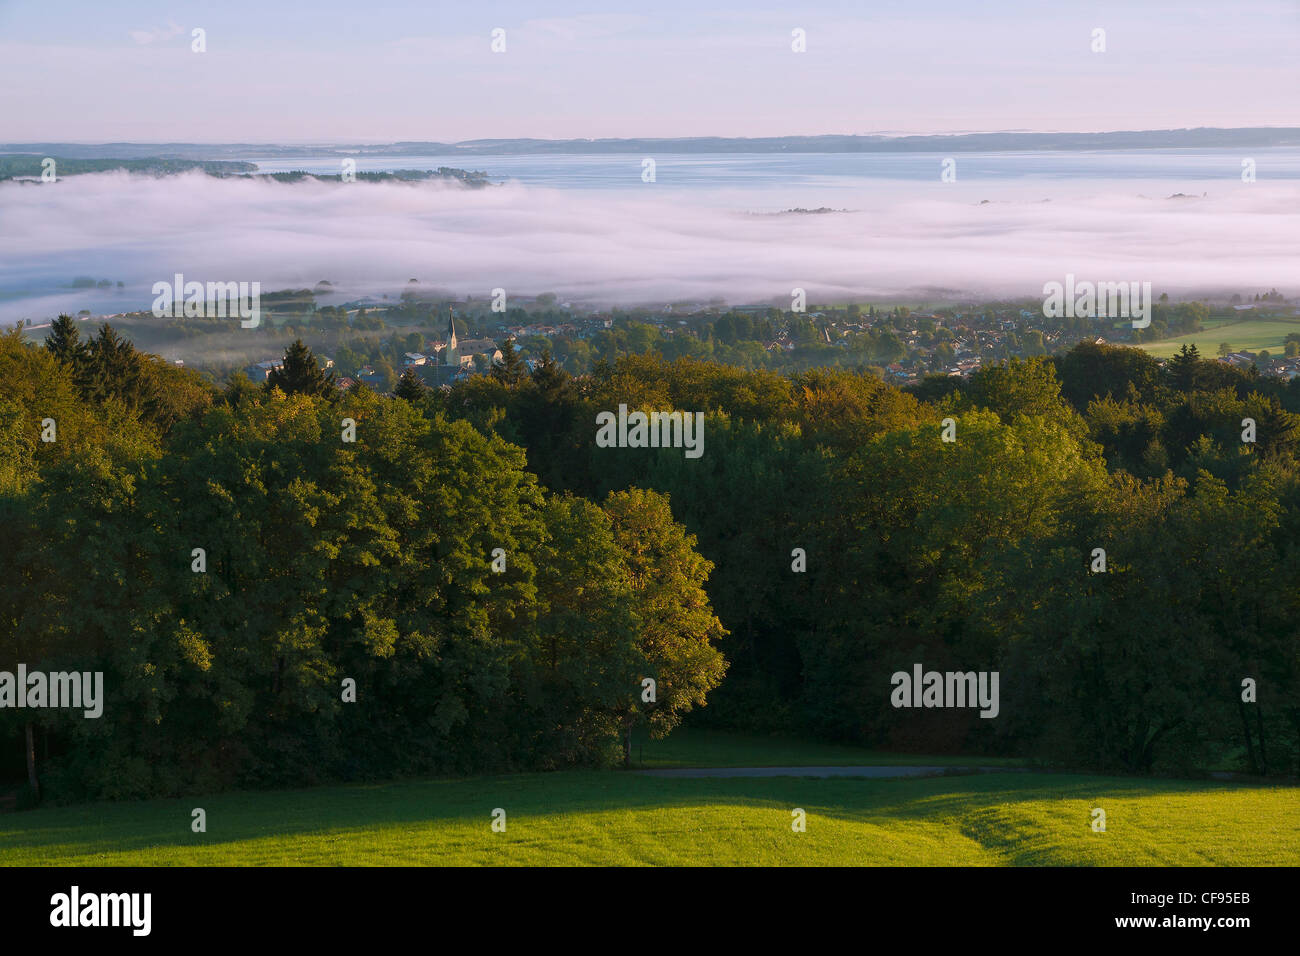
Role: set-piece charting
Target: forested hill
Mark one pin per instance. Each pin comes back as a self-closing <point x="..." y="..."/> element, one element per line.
<point x="25" y="166"/>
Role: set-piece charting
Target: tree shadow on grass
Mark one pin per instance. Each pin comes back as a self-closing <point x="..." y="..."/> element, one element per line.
<point x="980" y="806"/>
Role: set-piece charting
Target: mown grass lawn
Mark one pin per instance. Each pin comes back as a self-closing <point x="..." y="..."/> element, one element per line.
<point x="619" y="818"/>
<point x="1250" y="335"/>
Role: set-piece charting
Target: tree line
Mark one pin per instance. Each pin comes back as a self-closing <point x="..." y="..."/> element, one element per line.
<point x="240" y="569"/>
<point x="976" y="554"/>
<point x="499" y="588"/>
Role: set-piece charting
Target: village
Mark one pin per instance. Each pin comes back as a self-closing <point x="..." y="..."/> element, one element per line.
<point x="900" y="343"/>
<point x="375" y="340"/>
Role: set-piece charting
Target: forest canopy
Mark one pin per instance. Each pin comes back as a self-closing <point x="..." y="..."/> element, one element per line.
<point x="496" y="588"/>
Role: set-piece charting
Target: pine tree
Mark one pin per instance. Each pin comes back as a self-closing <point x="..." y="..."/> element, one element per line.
<point x="1182" y="368"/>
<point x="300" y="374"/>
<point x="64" y="341"/>
<point x="546" y="406"/>
<point x="550" y="378"/>
<point x="510" y="369"/>
<point x="114" y="369"/>
<point x="409" y="386"/>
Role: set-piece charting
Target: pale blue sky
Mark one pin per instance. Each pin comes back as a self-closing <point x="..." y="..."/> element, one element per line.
<point x="383" y="70"/>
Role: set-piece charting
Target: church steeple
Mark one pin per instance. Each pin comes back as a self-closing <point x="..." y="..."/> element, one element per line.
<point x="449" y="352"/>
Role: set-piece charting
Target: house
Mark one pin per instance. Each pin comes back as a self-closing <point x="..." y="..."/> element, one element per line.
<point x="1239" y="359"/>
<point x="262" y="370"/>
<point x="369" y="376"/>
<point x="438" y="375"/>
<point x="472" y="347"/>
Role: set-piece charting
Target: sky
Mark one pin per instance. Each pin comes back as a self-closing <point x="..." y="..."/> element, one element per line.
<point x="380" y="71"/>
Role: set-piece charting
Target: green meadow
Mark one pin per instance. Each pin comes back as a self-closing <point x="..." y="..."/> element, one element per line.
<point x="1014" y="818"/>
<point x="1250" y="336"/>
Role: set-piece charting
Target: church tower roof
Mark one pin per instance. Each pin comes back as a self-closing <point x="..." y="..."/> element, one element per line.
<point x="450" y="353"/>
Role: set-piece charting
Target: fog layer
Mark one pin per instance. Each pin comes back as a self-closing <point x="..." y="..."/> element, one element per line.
<point x="644" y="244"/>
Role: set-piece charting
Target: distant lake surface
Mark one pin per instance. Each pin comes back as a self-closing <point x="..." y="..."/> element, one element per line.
<point x="831" y="172"/>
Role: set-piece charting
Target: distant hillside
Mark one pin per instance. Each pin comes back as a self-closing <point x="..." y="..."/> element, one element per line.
<point x="15" y="165"/>
<point x="474" y="178"/>
<point x="1254" y="137"/>
<point x="969" y="142"/>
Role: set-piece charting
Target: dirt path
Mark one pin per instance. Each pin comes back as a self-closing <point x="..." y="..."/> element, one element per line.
<point x="818" y="771"/>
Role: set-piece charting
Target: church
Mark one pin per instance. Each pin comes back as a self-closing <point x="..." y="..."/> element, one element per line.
<point x="450" y="353"/>
<point x="457" y="358"/>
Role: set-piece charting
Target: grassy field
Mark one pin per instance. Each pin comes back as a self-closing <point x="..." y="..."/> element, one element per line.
<point x="1250" y="336"/>
<point x="619" y="818"/>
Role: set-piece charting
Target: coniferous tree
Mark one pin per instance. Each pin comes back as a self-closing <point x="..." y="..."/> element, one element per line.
<point x="64" y="341"/>
<point x="1182" y="368"/>
<point x="300" y="374"/>
<point x="550" y="379"/>
<point x="409" y="386"/>
<point x="113" y="369"/>
<point x="547" y="407"/>
<point x="510" y="369"/>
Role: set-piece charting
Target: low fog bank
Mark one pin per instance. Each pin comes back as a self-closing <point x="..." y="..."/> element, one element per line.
<point x="646" y="245"/>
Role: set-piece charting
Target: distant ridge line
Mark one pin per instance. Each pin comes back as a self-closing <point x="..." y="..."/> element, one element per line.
<point x="1202" y="137"/>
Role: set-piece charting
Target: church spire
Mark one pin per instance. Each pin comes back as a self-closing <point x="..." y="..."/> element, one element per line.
<point x="449" y="352"/>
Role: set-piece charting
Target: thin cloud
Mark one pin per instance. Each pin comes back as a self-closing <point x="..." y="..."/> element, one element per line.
<point x="587" y="26"/>
<point x="145" y="37"/>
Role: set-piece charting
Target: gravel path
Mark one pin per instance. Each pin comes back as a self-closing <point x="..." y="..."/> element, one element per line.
<point x="816" y="771"/>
